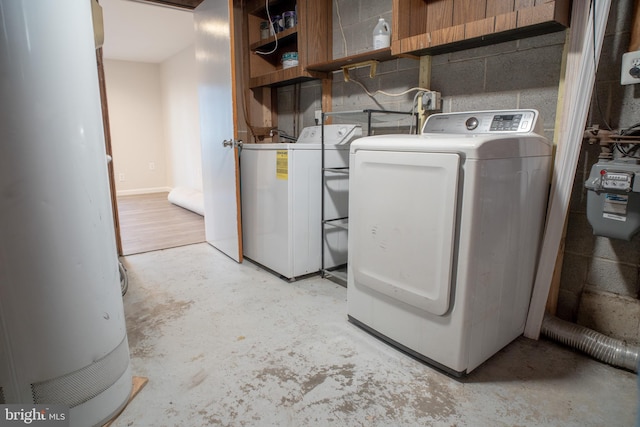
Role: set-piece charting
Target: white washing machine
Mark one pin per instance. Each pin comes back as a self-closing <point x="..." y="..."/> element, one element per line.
<point x="444" y="233"/>
<point x="281" y="189"/>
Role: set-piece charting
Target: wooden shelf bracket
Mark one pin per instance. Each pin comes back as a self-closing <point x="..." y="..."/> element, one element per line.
<point x="373" y="64"/>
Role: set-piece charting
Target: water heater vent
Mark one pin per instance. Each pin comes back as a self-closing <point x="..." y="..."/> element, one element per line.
<point x="84" y="384"/>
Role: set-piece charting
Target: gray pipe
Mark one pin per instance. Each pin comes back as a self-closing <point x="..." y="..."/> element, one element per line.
<point x="606" y="349"/>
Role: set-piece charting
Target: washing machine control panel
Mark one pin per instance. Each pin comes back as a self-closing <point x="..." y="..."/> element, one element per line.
<point x="509" y="121"/>
<point x="333" y="134"/>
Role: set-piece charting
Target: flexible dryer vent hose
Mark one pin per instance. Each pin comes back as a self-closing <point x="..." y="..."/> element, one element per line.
<point x="606" y="349"/>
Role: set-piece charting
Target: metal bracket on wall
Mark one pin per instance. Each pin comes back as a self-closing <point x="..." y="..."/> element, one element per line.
<point x="373" y="64"/>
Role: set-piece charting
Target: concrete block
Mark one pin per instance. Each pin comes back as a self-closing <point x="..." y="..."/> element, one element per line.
<point x="580" y="239"/>
<point x="544" y="100"/>
<point x="446" y="104"/>
<point x="620" y="15"/>
<point x="408" y="64"/>
<point x="338" y="44"/>
<point x="349" y="11"/>
<point x="285" y="122"/>
<point x="578" y="200"/>
<point x="484" y="51"/>
<point x="556" y="38"/>
<point x="354" y="98"/>
<point x="618" y="250"/>
<point x="459" y="78"/>
<point x="483" y="101"/>
<point x="610" y="314"/>
<point x="574" y="272"/>
<point x="613" y="47"/>
<point x="568" y="303"/>
<point x="376" y="9"/>
<point x="361" y="36"/>
<point x="588" y="157"/>
<point x="440" y="59"/>
<point x="629" y="106"/>
<point x="601" y="110"/>
<point x="386" y="67"/>
<point x="399" y="82"/>
<point x="337" y="90"/>
<point x="529" y="69"/>
<point x="285" y="101"/>
<point x="614" y="277"/>
<point x="310" y="101"/>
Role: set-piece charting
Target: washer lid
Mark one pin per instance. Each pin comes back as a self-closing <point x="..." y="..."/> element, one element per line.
<point x="292" y="147"/>
<point x="333" y="134"/>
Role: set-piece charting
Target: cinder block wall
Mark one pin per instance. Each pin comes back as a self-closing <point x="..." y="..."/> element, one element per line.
<point x="358" y="18"/>
<point x="600" y="284"/>
<point x="600" y="280"/>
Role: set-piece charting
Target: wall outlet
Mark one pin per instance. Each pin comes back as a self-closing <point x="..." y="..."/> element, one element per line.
<point x="431" y="101"/>
<point x="318" y="117"/>
<point x="120" y="177"/>
<point x="152" y="166"/>
<point x="630" y="73"/>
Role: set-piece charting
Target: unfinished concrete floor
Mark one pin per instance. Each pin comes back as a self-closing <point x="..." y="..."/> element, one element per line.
<point x="232" y="345"/>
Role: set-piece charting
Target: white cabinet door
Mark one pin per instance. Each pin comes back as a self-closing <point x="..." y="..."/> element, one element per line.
<point x="216" y="91"/>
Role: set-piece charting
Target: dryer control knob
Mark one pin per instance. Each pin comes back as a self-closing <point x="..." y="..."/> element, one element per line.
<point x="471" y="123"/>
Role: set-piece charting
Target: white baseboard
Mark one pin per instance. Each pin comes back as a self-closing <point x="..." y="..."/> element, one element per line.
<point x="143" y="191"/>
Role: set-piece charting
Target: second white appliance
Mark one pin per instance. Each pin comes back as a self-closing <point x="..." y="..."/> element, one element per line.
<point x="281" y="191"/>
<point x="444" y="234"/>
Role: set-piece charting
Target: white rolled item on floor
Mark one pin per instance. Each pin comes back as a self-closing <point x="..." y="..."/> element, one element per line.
<point x="188" y="198"/>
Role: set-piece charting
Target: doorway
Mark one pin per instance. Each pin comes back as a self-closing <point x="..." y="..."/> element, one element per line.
<point x="151" y="90"/>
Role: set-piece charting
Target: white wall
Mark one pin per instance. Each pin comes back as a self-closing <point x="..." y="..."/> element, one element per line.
<point x="134" y="97"/>
<point x="181" y="120"/>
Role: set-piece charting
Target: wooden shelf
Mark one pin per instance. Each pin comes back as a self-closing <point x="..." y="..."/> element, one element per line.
<point x="284" y="37"/>
<point x="434" y="28"/>
<point x="336" y="64"/>
<point x="256" y="7"/>
<point x="285" y="77"/>
<point x="309" y="38"/>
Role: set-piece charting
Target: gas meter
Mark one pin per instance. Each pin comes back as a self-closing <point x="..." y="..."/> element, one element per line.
<point x="613" y="199"/>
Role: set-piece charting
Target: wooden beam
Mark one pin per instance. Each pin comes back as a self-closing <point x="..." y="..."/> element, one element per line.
<point x="107" y="142"/>
<point x="552" y="298"/>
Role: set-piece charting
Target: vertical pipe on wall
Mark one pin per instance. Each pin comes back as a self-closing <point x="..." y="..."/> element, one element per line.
<point x="62" y="329"/>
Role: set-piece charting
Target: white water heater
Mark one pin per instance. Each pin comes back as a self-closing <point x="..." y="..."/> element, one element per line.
<point x="62" y="329"/>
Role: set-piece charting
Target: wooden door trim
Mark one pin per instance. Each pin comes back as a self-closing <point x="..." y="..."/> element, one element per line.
<point x="108" y="149"/>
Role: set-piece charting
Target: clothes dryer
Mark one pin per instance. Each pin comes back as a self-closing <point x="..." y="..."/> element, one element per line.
<point x="444" y="234"/>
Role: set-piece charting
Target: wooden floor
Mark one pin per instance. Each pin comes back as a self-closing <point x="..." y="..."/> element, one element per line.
<point x="149" y="222"/>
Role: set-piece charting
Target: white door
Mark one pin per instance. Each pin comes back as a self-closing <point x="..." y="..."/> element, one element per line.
<point x="402" y="216"/>
<point x="216" y="92"/>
